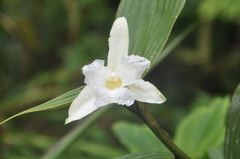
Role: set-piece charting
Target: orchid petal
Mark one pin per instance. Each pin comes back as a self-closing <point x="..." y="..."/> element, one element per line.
<point x="118" y="43"/>
<point x="96" y="74"/>
<point x="131" y="68"/>
<point x="146" y="92"/>
<point x="83" y="105"/>
<point x="121" y="96"/>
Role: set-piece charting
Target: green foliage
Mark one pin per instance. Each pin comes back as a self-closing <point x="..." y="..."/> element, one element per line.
<point x="200" y="132"/>
<point x="217" y="153"/>
<point x="97" y="150"/>
<point x="71" y="137"/>
<point x="58" y="102"/>
<point x="232" y="137"/>
<point x="150" y="23"/>
<point x="50" y="37"/>
<point x="137" y="138"/>
<point x="24" y="145"/>
<point x="225" y="9"/>
<point x="28" y="145"/>
<point x="203" y="129"/>
<point x="176" y="41"/>
<point x="148" y="155"/>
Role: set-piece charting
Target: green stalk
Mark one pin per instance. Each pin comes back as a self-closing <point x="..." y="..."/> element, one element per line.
<point x="141" y="110"/>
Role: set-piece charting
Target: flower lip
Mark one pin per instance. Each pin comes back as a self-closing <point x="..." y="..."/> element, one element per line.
<point x="113" y="81"/>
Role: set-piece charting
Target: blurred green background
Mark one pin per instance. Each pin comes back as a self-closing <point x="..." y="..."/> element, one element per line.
<point x="44" y="44"/>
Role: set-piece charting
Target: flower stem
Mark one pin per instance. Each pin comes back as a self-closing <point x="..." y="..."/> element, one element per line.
<point x="141" y="110"/>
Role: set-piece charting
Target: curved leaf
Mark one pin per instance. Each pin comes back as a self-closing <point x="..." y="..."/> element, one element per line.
<point x="148" y="142"/>
<point x="58" y="102"/>
<point x="203" y="129"/>
<point x="150" y="23"/>
<point x="232" y="137"/>
<point x="148" y="155"/>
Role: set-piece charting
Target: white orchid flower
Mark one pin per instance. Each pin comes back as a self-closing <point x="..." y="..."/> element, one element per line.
<point x="120" y="82"/>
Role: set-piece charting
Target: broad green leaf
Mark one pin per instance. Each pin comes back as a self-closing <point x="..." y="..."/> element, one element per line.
<point x="137" y="138"/>
<point x="150" y="23"/>
<point x="148" y="155"/>
<point x="203" y="129"/>
<point x="216" y="153"/>
<point x="232" y="137"/>
<point x="58" y="102"/>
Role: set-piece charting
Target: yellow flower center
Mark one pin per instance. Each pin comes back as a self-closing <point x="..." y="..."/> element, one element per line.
<point x="113" y="81"/>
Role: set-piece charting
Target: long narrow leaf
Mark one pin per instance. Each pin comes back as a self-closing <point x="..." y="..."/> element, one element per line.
<point x="58" y="102"/>
<point x="232" y="136"/>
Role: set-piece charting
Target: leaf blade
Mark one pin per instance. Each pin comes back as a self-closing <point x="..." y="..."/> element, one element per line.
<point x="148" y="142"/>
<point x="232" y="136"/>
<point x="150" y="23"/>
<point x="58" y="102"/>
<point x="203" y="129"/>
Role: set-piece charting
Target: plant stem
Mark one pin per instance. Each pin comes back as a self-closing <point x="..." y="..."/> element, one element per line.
<point x="141" y="110"/>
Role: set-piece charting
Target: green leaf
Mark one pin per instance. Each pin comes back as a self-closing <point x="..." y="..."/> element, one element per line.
<point x="232" y="137"/>
<point x="150" y="23"/>
<point x="62" y="145"/>
<point x="216" y="153"/>
<point x="149" y="155"/>
<point x="58" y="102"/>
<point x="203" y="129"/>
<point x="137" y="138"/>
